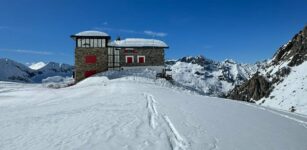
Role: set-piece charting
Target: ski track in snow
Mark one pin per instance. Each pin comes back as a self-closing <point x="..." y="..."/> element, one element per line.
<point x="175" y="139"/>
<point x="178" y="142"/>
<point x="153" y="114"/>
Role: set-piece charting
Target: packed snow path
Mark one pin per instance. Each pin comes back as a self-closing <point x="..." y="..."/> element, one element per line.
<point x="138" y="113"/>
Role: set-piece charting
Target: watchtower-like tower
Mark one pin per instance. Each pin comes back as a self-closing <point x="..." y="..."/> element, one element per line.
<point x="91" y="53"/>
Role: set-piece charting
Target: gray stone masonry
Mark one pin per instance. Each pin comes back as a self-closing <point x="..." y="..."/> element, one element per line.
<point x="80" y="65"/>
<point x="153" y="56"/>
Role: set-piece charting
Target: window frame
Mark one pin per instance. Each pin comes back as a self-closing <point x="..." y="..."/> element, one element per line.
<point x="103" y="42"/>
<point x="95" y="44"/>
<point x="126" y="59"/>
<point x="79" y="42"/>
<point x="139" y="56"/>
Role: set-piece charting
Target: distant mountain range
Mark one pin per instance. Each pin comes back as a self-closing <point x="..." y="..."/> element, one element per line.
<point x="210" y="77"/>
<point x="17" y="72"/>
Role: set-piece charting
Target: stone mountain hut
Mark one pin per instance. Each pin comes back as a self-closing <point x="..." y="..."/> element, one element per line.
<point x="95" y="52"/>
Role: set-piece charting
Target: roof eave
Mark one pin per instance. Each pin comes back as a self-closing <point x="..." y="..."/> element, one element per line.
<point x="103" y="37"/>
<point x="139" y="46"/>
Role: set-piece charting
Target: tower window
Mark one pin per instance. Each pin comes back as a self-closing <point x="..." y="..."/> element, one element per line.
<point x="91" y="42"/>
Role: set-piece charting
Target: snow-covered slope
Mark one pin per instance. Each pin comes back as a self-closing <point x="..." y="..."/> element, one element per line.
<point x="291" y="93"/>
<point x="37" y="65"/>
<point x="208" y="76"/>
<point x="281" y="81"/>
<point x="17" y="72"/>
<point x="138" y="113"/>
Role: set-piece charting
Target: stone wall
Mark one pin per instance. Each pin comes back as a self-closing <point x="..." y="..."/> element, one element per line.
<point x="80" y="65"/>
<point x="153" y="56"/>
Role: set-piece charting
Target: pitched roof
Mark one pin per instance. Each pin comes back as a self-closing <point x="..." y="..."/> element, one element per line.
<point x="138" y="42"/>
<point x="90" y="34"/>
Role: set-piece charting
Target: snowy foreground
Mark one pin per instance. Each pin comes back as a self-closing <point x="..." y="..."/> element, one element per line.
<point x="138" y="113"/>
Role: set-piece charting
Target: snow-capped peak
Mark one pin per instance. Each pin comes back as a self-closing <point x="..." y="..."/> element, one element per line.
<point x="37" y="65"/>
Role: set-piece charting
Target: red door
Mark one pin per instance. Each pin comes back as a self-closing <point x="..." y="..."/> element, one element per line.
<point x="129" y="60"/>
<point x="89" y="73"/>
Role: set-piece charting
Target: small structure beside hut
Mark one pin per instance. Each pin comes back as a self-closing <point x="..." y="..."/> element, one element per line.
<point x="95" y="52"/>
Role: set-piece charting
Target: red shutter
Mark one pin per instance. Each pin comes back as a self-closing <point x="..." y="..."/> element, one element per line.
<point x="90" y="59"/>
<point x="141" y="60"/>
<point x="129" y="60"/>
<point x="89" y="73"/>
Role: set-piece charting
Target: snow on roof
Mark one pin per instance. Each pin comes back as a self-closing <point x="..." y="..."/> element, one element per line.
<point x="91" y="33"/>
<point x="138" y="42"/>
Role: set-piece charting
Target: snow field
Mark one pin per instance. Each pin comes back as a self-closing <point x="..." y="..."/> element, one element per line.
<point x="137" y="113"/>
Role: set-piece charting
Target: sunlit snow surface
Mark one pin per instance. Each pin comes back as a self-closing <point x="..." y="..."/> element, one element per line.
<point x="292" y="91"/>
<point x="138" y="113"/>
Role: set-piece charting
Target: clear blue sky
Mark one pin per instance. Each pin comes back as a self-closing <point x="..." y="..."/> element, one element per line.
<point x="243" y="30"/>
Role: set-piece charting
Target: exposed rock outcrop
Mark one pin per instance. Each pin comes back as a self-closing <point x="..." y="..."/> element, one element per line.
<point x="253" y="89"/>
<point x="273" y="72"/>
<point x="295" y="51"/>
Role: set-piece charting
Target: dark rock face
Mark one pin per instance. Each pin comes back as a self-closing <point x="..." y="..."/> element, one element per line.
<point x="294" y="52"/>
<point x="254" y="89"/>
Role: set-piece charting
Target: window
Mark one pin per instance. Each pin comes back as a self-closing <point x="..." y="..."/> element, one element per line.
<point x="87" y="43"/>
<point x="129" y="59"/>
<point x="91" y="42"/>
<point x="91" y="59"/>
<point x="99" y="42"/>
<point x="82" y="42"/>
<point x="79" y="43"/>
<point x="141" y="59"/>
<point x="95" y="43"/>
<point x="89" y="73"/>
<point x="103" y="42"/>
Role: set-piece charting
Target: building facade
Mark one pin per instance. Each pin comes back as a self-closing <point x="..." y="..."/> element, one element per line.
<point x="95" y="52"/>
